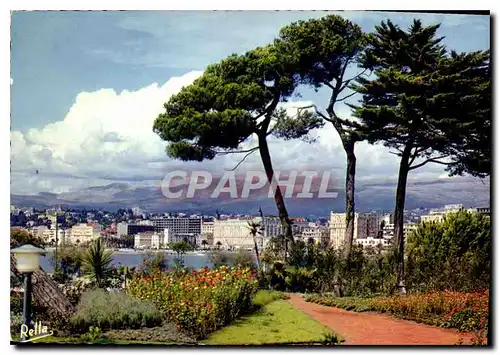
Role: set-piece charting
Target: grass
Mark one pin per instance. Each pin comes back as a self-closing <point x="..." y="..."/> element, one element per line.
<point x="264" y="297"/>
<point x="356" y="304"/>
<point x="276" y="323"/>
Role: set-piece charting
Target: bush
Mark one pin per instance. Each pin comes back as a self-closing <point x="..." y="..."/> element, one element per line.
<point x="452" y="254"/>
<point x="198" y="302"/>
<point x="263" y="297"/>
<point x="113" y="310"/>
<point x="220" y="258"/>
<point x="74" y="291"/>
<point x="244" y="258"/>
<point x="96" y="263"/>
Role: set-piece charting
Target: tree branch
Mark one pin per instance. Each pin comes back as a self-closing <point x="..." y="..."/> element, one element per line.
<point x="326" y="118"/>
<point x="432" y="160"/>
<point x="347" y="96"/>
<point x="243" y="159"/>
<point x="237" y="151"/>
<point x="346" y="82"/>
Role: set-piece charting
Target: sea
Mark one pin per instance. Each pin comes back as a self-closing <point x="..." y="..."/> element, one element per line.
<point x="133" y="259"/>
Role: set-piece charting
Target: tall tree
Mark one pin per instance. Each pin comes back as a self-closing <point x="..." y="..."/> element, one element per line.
<point x="233" y="100"/>
<point x="325" y="50"/>
<point x="422" y="103"/>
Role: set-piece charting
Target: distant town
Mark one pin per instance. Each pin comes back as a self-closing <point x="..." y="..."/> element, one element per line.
<point x="137" y="229"/>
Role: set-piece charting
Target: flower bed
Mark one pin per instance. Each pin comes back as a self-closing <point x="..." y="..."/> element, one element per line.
<point x="198" y="302"/>
<point x="463" y="311"/>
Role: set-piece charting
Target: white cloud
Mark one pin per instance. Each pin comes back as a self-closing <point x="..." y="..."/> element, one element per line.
<point x="107" y="136"/>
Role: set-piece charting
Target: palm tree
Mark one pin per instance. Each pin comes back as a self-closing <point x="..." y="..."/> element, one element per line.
<point x="255" y="229"/>
<point x="204" y="243"/>
<point x="219" y="244"/>
<point x="96" y="262"/>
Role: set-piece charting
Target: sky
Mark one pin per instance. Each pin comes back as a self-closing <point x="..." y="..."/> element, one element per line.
<point x="87" y="86"/>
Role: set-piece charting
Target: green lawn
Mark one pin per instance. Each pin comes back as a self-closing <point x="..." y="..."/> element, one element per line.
<point x="276" y="323"/>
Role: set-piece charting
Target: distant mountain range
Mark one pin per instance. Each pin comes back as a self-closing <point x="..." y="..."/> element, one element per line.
<point x="369" y="196"/>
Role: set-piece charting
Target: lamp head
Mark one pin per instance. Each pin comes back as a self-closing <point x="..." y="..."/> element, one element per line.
<point x="27" y="258"/>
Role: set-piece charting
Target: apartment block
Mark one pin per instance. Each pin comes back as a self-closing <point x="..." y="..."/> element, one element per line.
<point x="365" y="225"/>
<point x="84" y="232"/>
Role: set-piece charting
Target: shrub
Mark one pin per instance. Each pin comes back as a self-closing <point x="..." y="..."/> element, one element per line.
<point x="263" y="297"/>
<point x="452" y="254"/>
<point x="198" y="302"/>
<point x="93" y="335"/>
<point x="74" y="291"/>
<point x="220" y="258"/>
<point x="96" y="262"/>
<point x="244" y="258"/>
<point x="113" y="310"/>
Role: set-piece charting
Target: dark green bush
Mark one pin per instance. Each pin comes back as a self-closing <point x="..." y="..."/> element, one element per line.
<point x="454" y="254"/>
<point x="113" y="310"/>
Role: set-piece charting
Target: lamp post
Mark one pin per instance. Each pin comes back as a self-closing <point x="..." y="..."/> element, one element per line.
<point x="27" y="262"/>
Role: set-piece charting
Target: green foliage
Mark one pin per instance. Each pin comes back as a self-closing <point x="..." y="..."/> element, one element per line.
<point x="198" y="302"/>
<point x="244" y="258"/>
<point x="330" y="338"/>
<point x="93" y="335"/>
<point x="424" y="98"/>
<point x="312" y="268"/>
<point x="221" y="108"/>
<point x="219" y="258"/>
<point x="20" y="237"/>
<point x="264" y="297"/>
<point x="74" y="291"/>
<point x="452" y="254"/>
<point x="180" y="248"/>
<point x="69" y="260"/>
<point x="96" y="263"/>
<point x="113" y="310"/>
<point x="152" y="261"/>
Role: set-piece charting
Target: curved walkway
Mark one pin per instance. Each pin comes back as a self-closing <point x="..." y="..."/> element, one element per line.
<point x="378" y="329"/>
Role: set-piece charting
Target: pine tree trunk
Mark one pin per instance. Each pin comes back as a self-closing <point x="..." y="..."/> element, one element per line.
<point x="47" y="294"/>
<point x="399" y="216"/>
<point x="349" y="197"/>
<point x="278" y="197"/>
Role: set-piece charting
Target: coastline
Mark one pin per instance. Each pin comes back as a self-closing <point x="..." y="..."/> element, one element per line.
<point x="141" y="252"/>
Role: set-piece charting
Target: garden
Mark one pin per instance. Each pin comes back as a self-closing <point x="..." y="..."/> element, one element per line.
<point x="154" y="304"/>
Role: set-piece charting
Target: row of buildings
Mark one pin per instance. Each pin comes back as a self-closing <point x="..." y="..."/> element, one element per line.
<point x="78" y="234"/>
<point x="370" y="229"/>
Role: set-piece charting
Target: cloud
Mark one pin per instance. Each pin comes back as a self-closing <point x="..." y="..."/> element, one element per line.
<point x="107" y="136"/>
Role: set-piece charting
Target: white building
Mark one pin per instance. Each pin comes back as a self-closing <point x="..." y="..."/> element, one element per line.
<point x="207" y="228"/>
<point x="437" y="215"/>
<point x="365" y="225"/>
<point x="480" y="210"/>
<point x="121" y="229"/>
<point x="235" y="233"/>
<point x="370" y="241"/>
<point x="49" y="236"/>
<point x="38" y="231"/>
<point x="84" y="232"/>
<point x="388" y="232"/>
<point x="318" y="234"/>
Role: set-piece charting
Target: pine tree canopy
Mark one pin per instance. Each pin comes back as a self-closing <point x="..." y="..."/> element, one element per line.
<point x="232" y="100"/>
<point x="322" y="50"/>
<point x="437" y="104"/>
